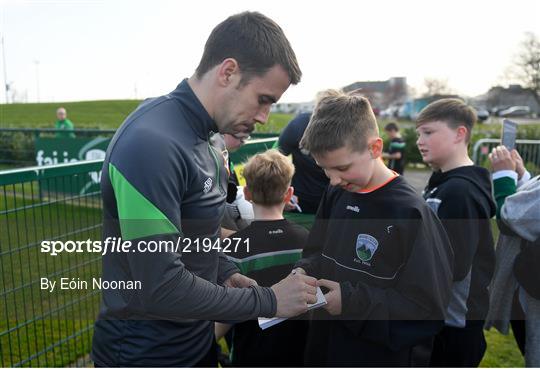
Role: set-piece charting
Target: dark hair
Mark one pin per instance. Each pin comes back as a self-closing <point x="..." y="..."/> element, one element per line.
<point x="339" y="120"/>
<point x="454" y="112"/>
<point x="255" y="41"/>
<point x="391" y="127"/>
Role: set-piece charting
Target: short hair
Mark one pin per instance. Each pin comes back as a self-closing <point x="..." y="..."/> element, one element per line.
<point x="392" y="126"/>
<point x="454" y="112"/>
<point x="255" y="41"/>
<point x="268" y="177"/>
<point x="338" y="120"/>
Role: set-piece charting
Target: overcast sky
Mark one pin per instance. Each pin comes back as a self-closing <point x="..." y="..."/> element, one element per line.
<point x="89" y="50"/>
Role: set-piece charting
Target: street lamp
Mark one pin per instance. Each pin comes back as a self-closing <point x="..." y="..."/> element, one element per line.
<point x="36" y="62"/>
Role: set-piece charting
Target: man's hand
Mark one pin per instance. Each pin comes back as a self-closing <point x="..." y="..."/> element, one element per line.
<point x="520" y="167"/>
<point x="333" y="296"/>
<point x="501" y="159"/>
<point x="239" y="281"/>
<point x="293" y="294"/>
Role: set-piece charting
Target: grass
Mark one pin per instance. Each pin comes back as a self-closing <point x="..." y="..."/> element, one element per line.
<point x="106" y="114"/>
<point x="502" y="351"/>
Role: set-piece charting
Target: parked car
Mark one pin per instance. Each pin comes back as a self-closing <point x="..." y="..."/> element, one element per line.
<point x="515" y="111"/>
<point x="482" y="114"/>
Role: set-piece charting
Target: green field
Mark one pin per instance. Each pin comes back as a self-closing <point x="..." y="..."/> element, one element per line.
<point x="106" y="114"/>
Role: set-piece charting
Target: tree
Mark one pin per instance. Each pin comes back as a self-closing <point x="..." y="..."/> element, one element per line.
<point x="434" y="86"/>
<point x="526" y="67"/>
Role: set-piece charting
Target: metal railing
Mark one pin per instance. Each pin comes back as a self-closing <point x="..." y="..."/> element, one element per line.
<point x="39" y="328"/>
<point x="528" y="149"/>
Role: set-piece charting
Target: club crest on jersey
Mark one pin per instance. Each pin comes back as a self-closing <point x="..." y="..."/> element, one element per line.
<point x="366" y="246"/>
<point x="207" y="185"/>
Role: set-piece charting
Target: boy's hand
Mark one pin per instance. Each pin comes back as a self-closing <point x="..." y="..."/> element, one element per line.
<point x="239" y="281"/>
<point x="520" y="167"/>
<point x="333" y="296"/>
<point x="501" y="159"/>
<point x="293" y="294"/>
<point x="298" y="271"/>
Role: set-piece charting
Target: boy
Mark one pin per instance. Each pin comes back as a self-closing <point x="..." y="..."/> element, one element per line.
<point x="460" y="193"/>
<point x="275" y="245"/>
<point x="375" y="244"/>
<point x="396" y="149"/>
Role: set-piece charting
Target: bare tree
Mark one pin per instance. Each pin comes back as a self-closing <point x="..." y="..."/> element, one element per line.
<point x="434" y="86"/>
<point x="527" y="64"/>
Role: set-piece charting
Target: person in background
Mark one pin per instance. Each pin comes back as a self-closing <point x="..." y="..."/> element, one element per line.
<point x="396" y="149"/>
<point x="238" y="211"/>
<point x="309" y="181"/>
<point x="64" y="124"/>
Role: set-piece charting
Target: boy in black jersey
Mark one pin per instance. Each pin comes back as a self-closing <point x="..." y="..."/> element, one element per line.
<point x="396" y="148"/>
<point x="376" y="247"/>
<point x="275" y="244"/>
<point x="460" y="194"/>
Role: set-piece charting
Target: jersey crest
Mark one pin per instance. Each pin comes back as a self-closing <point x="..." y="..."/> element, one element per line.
<point x="366" y="246"/>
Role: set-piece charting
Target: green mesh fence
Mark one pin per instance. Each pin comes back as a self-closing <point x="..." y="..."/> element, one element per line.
<point x="39" y="328"/>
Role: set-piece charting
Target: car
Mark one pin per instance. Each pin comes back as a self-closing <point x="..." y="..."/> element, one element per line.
<point x="515" y="111"/>
<point x="481" y="114"/>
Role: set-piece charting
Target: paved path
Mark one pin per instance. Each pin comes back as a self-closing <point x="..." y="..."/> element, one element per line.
<point x="417" y="178"/>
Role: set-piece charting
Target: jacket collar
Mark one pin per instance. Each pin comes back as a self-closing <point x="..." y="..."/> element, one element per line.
<point x="198" y="118"/>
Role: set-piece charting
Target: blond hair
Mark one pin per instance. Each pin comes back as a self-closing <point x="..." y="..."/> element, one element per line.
<point x="268" y="177"/>
<point x="340" y="119"/>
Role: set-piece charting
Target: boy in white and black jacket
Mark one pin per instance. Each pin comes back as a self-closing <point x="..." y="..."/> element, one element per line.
<point x="460" y="194"/>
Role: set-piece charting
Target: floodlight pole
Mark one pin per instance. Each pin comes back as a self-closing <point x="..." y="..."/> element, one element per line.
<point x="36" y="62"/>
<point x="6" y="84"/>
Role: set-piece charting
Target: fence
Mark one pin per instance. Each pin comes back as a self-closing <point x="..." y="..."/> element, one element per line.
<point x="17" y="145"/>
<point x="528" y="149"/>
<point x="40" y="328"/>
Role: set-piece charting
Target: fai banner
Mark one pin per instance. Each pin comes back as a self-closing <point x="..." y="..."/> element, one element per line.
<point x="50" y="151"/>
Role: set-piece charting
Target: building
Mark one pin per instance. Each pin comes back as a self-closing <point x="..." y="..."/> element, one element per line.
<point x="382" y="94"/>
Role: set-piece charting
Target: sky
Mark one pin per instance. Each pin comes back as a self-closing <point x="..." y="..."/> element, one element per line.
<point x="95" y="49"/>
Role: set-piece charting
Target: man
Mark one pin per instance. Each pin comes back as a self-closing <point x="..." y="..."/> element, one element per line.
<point x="164" y="181"/>
<point x="309" y="181"/>
<point x="64" y="124"/>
